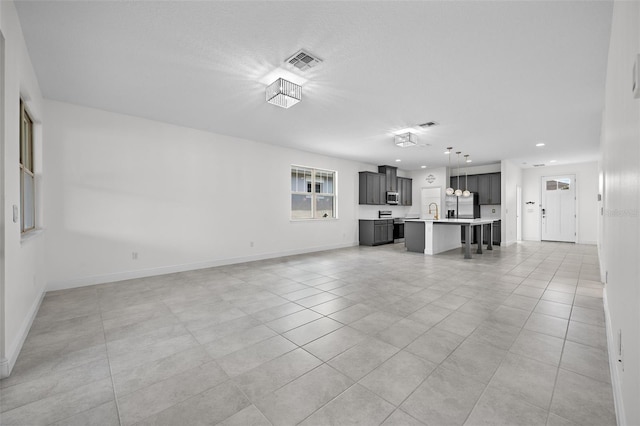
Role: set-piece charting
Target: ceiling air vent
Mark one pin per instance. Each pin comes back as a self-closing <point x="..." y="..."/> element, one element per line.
<point x="428" y="124"/>
<point x="538" y="165"/>
<point x="303" y="60"/>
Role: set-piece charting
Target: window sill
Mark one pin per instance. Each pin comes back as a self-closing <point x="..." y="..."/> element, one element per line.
<point x="31" y="235"/>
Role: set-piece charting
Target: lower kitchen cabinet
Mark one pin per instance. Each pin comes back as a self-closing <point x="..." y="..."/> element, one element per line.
<point x="475" y="234"/>
<point x="497" y="237"/>
<point x="374" y="232"/>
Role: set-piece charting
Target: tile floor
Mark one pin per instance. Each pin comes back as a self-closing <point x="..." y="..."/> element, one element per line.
<point x="364" y="335"/>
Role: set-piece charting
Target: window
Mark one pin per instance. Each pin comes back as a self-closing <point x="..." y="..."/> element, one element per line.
<point x="559" y="184"/>
<point x="27" y="176"/>
<point x="313" y="193"/>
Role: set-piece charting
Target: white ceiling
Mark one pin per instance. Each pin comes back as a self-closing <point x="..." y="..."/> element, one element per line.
<point x="498" y="77"/>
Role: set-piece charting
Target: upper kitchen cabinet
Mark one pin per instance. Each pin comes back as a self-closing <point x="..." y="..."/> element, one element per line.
<point x="405" y="189"/>
<point x="465" y="182"/>
<point x="391" y="174"/>
<point x="484" y="189"/>
<point x="496" y="189"/>
<point x="489" y="188"/>
<point x="373" y="187"/>
<point x="471" y="183"/>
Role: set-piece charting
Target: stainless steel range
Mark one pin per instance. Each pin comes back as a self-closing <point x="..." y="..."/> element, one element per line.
<point x="398" y="230"/>
<point x="398" y="225"/>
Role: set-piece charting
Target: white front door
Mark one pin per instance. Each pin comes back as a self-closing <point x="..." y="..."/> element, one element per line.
<point x="559" y="208"/>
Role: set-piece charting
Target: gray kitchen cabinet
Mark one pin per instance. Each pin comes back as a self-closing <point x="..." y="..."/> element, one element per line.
<point x="405" y="189"/>
<point x="391" y="174"/>
<point x="484" y="189"/>
<point x="497" y="238"/>
<point x="490" y="188"/>
<point x="471" y="183"/>
<point x="495" y="194"/>
<point x="466" y="182"/>
<point x="374" y="232"/>
<point x="414" y="236"/>
<point x="372" y="188"/>
<point x="453" y="182"/>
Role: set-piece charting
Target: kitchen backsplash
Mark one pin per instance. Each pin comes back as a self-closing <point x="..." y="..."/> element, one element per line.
<point x="490" y="211"/>
<point x="371" y="212"/>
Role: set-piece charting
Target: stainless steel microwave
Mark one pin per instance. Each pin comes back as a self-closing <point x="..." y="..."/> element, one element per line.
<point x="393" y="197"/>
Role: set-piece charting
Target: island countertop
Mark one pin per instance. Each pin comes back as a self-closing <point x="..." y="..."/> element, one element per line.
<point x="423" y="236"/>
<point x="478" y="221"/>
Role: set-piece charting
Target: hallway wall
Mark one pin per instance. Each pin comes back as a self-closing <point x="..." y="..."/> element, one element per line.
<point x="619" y="217"/>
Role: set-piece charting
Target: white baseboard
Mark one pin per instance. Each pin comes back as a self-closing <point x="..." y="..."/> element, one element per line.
<point x="162" y="270"/>
<point x="6" y="364"/>
<point x="4" y="368"/>
<point x="613" y="367"/>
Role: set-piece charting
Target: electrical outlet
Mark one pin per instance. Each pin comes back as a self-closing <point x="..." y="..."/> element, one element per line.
<point x="493" y="210"/>
<point x="250" y="243"/>
<point x="134" y="255"/>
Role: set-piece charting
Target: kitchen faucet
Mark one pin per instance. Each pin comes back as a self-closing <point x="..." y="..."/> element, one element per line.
<point x="436" y="204"/>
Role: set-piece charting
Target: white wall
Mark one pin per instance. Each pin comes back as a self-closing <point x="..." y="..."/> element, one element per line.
<point x="476" y="170"/>
<point x="439" y="178"/>
<point x="619" y="249"/>
<point x="586" y="203"/>
<point x="24" y="275"/>
<point x="511" y="178"/>
<point x="180" y="198"/>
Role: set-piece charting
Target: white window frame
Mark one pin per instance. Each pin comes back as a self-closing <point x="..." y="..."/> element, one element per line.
<point x="315" y="194"/>
<point x="27" y="168"/>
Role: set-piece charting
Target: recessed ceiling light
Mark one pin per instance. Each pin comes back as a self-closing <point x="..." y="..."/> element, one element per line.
<point x="553" y="161"/>
<point x="423" y="167"/>
<point x="540" y="144"/>
<point x="398" y="160"/>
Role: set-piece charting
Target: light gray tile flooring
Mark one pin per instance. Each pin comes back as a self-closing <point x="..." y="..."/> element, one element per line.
<point x="364" y="335"/>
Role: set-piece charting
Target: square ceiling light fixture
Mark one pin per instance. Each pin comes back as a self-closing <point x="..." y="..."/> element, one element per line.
<point x="284" y="93"/>
<point x="405" y="140"/>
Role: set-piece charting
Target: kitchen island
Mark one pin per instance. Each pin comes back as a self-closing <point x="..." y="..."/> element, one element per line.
<point x="431" y="236"/>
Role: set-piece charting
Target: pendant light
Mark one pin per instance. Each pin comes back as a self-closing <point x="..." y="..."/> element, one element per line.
<point x="449" y="190"/>
<point x="458" y="191"/>
<point x="466" y="192"/>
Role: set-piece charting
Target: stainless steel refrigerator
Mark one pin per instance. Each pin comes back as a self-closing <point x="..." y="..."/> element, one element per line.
<point x="462" y="207"/>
